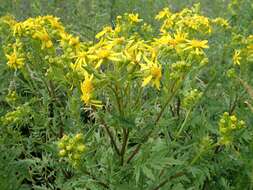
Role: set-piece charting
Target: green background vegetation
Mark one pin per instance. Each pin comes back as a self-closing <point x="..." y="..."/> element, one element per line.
<point x="87" y="17"/>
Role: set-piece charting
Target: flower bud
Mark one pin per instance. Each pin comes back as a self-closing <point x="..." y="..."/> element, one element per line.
<point x="62" y="153"/>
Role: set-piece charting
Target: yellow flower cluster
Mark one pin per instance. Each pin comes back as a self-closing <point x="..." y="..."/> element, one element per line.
<point x="188" y="20"/>
<point x="14" y="55"/>
<point x="124" y="50"/>
<point x="33" y="25"/>
<point x="44" y="29"/>
<point x="117" y="47"/>
<point x="37" y="28"/>
<point x="43" y="36"/>
<point x="229" y="124"/>
<point x="72" y="148"/>
<point x="87" y="88"/>
<point x="245" y="53"/>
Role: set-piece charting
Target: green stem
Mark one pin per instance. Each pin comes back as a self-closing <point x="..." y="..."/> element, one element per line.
<point x="179" y="174"/>
<point x="183" y="124"/>
<point x="137" y="149"/>
<point x="124" y="144"/>
<point x="195" y="159"/>
<point x="113" y="142"/>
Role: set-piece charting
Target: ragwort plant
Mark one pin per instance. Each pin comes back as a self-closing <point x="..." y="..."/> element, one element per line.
<point x="115" y="113"/>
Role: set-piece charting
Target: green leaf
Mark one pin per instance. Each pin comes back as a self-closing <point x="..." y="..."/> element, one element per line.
<point x="148" y="172"/>
<point x="178" y="187"/>
<point x="123" y="121"/>
<point x="137" y="172"/>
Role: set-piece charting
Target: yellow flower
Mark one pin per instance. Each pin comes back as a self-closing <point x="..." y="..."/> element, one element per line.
<point x="117" y="41"/>
<point x="189" y="22"/>
<point x="54" y="21"/>
<point x="81" y="58"/>
<point x="69" y="40"/>
<point x="43" y="36"/>
<point x="134" y="18"/>
<point x="196" y="22"/>
<point x="74" y="41"/>
<point x="237" y="57"/>
<point x="105" y="30"/>
<point x="197" y="46"/>
<point x="222" y="22"/>
<point x="14" y="61"/>
<point x="167" y="24"/>
<point x="153" y="72"/>
<point x="179" y="38"/>
<point x="163" y="40"/>
<point x="18" y="28"/>
<point x="31" y="25"/>
<point x="164" y="13"/>
<point x="176" y="41"/>
<point x="104" y="53"/>
<point x="118" y="29"/>
<point x="134" y="50"/>
<point x="87" y="90"/>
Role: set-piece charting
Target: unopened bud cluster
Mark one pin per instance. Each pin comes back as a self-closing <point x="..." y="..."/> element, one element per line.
<point x="179" y="68"/>
<point x="11" y="97"/>
<point x="72" y="148"/>
<point x="191" y="98"/>
<point x="21" y="115"/>
<point x="229" y="124"/>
